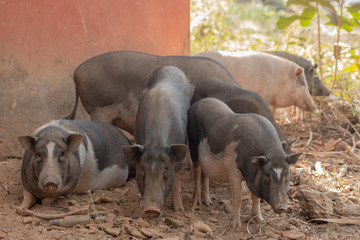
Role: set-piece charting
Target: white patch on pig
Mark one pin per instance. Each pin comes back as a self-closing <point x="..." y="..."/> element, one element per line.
<point x="50" y="149"/>
<point x="91" y="177"/>
<point x="218" y="167"/>
<point x="278" y="171"/>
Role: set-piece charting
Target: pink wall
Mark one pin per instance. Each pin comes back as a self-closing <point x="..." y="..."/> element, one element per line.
<point x="43" y="41"/>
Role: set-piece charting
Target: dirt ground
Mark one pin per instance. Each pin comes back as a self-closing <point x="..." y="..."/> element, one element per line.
<point x="325" y="184"/>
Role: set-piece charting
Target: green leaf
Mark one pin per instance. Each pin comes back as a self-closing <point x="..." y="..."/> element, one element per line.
<point x="354" y="8"/>
<point x="355" y="14"/>
<point x="306" y="16"/>
<point x="283" y="23"/>
<point x="352" y="68"/>
<point x="326" y="3"/>
<point x="298" y="2"/>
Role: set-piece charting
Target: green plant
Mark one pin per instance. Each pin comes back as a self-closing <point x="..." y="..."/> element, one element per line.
<point x="345" y="20"/>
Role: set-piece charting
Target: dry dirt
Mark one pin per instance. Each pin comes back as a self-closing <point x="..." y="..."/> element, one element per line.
<point x="325" y="184"/>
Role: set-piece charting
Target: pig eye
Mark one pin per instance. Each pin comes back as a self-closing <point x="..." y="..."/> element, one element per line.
<point x="62" y="153"/>
<point x="39" y="160"/>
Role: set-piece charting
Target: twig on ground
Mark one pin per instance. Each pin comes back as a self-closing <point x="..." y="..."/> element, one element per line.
<point x="345" y="118"/>
<point x="247" y="225"/>
<point x="27" y="212"/>
<point x="263" y="226"/>
<point x="309" y="140"/>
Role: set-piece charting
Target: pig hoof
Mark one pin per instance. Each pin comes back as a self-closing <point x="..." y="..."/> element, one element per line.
<point x="236" y="224"/>
<point x="178" y="208"/>
<point x="152" y="212"/>
<point x="207" y="202"/>
<point x="259" y="219"/>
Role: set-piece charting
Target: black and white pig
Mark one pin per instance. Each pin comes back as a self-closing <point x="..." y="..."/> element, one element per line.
<point x="232" y="147"/>
<point x="240" y="101"/>
<point x="161" y="136"/>
<point x="66" y="156"/>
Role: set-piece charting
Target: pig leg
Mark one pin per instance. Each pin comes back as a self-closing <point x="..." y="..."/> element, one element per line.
<point x="197" y="173"/>
<point x="176" y="198"/>
<point x="28" y="201"/>
<point x="205" y="195"/>
<point x="236" y="191"/>
<point x="255" y="211"/>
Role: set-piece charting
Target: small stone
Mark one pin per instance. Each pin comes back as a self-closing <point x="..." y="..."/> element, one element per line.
<point x="2" y="234"/>
<point x="27" y="220"/>
<point x="332" y="195"/>
<point x="351" y="210"/>
<point x="173" y="222"/>
<point x="200" y="226"/>
<point x="341" y="146"/>
<point x="212" y="219"/>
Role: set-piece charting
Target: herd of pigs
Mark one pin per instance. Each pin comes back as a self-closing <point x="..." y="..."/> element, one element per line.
<point x="214" y="104"/>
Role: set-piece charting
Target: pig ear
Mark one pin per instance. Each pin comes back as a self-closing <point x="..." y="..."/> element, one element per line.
<point x="289" y="143"/>
<point x="28" y="142"/>
<point x="133" y="153"/>
<point x="259" y="160"/>
<point x="293" y="158"/>
<point x="178" y="151"/>
<point x="298" y="72"/>
<point x="73" y="141"/>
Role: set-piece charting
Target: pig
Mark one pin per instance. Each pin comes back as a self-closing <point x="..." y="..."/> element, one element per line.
<point x="315" y="85"/>
<point x="232" y="147"/>
<point x="66" y="156"/>
<point x="279" y="81"/>
<point x="161" y="137"/>
<point x="239" y="101"/>
<point x="111" y="85"/>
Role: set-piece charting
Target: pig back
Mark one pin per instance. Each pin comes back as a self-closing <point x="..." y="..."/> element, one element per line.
<point x="162" y="113"/>
<point x="240" y="101"/>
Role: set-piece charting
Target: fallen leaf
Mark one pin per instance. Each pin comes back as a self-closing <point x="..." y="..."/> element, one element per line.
<point x="102" y="199"/>
<point x="202" y="227"/>
<point x="330" y="145"/>
<point x="149" y="232"/>
<point x="293" y="235"/>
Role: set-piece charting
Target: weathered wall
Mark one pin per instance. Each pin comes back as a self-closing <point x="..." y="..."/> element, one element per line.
<point x="42" y="42"/>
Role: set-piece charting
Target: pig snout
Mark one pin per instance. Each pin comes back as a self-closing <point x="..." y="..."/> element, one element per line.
<point x="152" y="212"/>
<point x="280" y="209"/>
<point x="50" y="187"/>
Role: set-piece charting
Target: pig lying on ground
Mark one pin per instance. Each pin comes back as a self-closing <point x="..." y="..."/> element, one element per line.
<point x="231" y="147"/>
<point x="161" y="136"/>
<point x="315" y="85"/>
<point x="279" y="81"/>
<point x="111" y="85"/>
<point x="240" y="101"/>
<point x="65" y="157"/>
